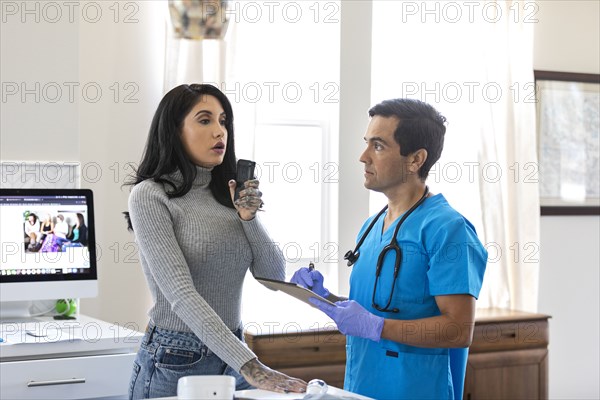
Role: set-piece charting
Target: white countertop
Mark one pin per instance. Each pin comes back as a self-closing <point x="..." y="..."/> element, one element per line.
<point x="258" y="394"/>
<point x="81" y="336"/>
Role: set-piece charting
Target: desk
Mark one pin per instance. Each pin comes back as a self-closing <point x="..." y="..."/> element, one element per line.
<point x="508" y="358"/>
<point x="258" y="394"/>
<point x="97" y="365"/>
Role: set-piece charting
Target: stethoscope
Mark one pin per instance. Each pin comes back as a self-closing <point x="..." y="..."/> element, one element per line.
<point x="352" y="256"/>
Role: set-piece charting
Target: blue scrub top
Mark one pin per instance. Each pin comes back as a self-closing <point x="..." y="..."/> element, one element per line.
<point x="442" y="255"/>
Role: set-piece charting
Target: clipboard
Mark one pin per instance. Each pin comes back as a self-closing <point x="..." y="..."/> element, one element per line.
<point x="293" y="290"/>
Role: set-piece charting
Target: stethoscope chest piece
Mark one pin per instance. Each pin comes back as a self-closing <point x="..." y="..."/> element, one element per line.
<point x="351" y="257"/>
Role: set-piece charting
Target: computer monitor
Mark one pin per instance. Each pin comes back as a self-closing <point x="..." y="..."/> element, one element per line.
<point x="48" y="247"/>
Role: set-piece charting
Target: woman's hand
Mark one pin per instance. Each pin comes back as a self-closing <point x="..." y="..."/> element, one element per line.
<point x="262" y="377"/>
<point x="250" y="200"/>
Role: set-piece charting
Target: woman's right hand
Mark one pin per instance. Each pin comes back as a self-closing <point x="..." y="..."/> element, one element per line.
<point x="262" y="377"/>
<point x="250" y="200"/>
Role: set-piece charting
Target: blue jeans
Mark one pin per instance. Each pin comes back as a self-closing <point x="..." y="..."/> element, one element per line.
<point x="165" y="356"/>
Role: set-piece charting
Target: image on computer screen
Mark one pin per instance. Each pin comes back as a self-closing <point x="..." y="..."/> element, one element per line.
<point x="46" y="235"/>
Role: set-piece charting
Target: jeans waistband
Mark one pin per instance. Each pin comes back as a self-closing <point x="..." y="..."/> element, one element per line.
<point x="180" y="338"/>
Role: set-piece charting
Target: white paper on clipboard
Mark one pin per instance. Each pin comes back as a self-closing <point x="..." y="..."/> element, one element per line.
<point x="293" y="290"/>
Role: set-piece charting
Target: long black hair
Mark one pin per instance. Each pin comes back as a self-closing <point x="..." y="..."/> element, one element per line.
<point x="164" y="153"/>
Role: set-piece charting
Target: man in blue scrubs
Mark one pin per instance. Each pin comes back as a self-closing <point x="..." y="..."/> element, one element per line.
<point x="408" y="330"/>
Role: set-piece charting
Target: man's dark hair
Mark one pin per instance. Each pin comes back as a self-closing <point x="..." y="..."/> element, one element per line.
<point x="420" y="127"/>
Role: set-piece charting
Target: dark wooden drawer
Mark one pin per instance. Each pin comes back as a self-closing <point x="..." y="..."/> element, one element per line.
<point x="510" y="335"/>
<point x="299" y="350"/>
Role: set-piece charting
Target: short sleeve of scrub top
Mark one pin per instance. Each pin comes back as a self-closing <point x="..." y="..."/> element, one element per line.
<point x="457" y="258"/>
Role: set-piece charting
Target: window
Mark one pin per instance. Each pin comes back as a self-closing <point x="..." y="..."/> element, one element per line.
<point x="282" y="77"/>
<point x="292" y="182"/>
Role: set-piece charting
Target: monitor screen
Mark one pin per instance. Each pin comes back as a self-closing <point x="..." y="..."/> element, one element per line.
<point x="48" y="244"/>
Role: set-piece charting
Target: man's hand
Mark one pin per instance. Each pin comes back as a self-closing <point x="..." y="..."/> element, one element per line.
<point x="352" y="319"/>
<point x="262" y="377"/>
<point x="310" y="279"/>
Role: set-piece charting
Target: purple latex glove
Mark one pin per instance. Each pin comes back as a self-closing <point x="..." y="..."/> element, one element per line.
<point x="310" y="279"/>
<point x="352" y="319"/>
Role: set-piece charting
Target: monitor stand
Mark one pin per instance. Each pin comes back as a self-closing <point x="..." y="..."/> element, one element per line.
<point x="15" y="311"/>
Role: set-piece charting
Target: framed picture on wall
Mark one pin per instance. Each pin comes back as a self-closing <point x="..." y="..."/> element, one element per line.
<point x="568" y="123"/>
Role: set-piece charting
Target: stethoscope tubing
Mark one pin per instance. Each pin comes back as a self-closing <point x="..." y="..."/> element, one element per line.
<point x="352" y="256"/>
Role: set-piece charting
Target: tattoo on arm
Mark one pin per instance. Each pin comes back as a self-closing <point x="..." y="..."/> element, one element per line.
<point x="257" y="371"/>
<point x="263" y="377"/>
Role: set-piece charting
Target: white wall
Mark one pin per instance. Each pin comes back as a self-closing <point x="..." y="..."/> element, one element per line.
<point x="37" y="121"/>
<point x="127" y="59"/>
<point x="567" y="38"/>
<point x="120" y="51"/>
<point x="569" y="292"/>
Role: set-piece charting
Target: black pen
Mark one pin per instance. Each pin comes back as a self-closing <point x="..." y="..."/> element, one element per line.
<point x="311" y="267"/>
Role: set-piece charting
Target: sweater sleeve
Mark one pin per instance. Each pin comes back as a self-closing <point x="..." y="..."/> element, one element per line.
<point x="153" y="223"/>
<point x="267" y="258"/>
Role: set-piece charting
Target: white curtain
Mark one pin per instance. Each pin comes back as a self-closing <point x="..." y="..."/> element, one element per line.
<point x="510" y="206"/>
<point x="194" y="61"/>
<point x="473" y="62"/>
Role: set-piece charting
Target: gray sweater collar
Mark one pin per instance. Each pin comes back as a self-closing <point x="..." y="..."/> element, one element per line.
<point x="203" y="176"/>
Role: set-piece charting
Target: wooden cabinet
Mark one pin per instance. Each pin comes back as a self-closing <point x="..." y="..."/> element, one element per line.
<point x="306" y="355"/>
<point x="508" y="358"/>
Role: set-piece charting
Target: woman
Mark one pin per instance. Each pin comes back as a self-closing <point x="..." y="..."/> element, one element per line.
<point x="195" y="246"/>
<point x="80" y="231"/>
<point x="32" y="230"/>
<point x="61" y="229"/>
<point x="49" y="241"/>
<point x="47" y="227"/>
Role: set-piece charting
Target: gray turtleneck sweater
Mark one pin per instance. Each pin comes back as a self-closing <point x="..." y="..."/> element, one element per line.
<point x="195" y="253"/>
